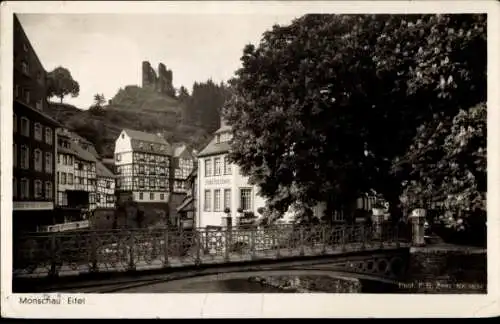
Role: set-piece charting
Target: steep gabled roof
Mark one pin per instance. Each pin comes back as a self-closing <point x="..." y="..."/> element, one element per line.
<point x="145" y="137"/>
<point x="213" y="147"/>
<point x="82" y="154"/>
<point x="148" y="143"/>
<point x="102" y="171"/>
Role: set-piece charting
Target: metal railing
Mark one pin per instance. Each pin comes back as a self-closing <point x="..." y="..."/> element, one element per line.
<point x="72" y="253"/>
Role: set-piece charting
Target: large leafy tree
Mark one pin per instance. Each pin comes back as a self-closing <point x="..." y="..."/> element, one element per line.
<point x="448" y="162"/>
<point x="324" y="108"/>
<point x="60" y="84"/>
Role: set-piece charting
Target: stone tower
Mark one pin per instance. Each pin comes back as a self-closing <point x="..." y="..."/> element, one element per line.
<point x="165" y="80"/>
<point x="149" y="78"/>
<point x="161" y="82"/>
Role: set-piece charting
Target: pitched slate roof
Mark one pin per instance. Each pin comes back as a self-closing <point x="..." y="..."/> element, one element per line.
<point x="213" y="147"/>
<point x="65" y="150"/>
<point x="148" y="143"/>
<point x="145" y="137"/>
<point x="82" y="153"/>
<point x="102" y="171"/>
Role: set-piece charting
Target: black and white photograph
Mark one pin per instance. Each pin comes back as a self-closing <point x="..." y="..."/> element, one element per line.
<point x="307" y="152"/>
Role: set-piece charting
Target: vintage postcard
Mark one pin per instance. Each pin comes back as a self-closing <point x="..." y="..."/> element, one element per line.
<point x="185" y="159"/>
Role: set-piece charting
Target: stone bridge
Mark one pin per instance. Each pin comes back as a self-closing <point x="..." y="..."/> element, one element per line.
<point x="103" y="258"/>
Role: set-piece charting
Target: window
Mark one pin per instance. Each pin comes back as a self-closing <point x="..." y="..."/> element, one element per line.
<point x="14" y="124"/>
<point x="208" y="168"/>
<point x="25" y="188"/>
<point x="48" y="190"/>
<point x="227" y="165"/>
<point x="39" y="104"/>
<point x="48" y="162"/>
<point x="38" y="160"/>
<point x="27" y="96"/>
<point x="217" y="200"/>
<point x="70" y="178"/>
<point x="59" y="158"/>
<point x="227" y="198"/>
<point x="152" y="196"/>
<point x="25" y="67"/>
<point x="141" y="196"/>
<point x="108" y="184"/>
<point x="48" y="135"/>
<point x="25" y="126"/>
<point x="141" y="183"/>
<point x="246" y="199"/>
<point x="118" y="156"/>
<point x="38" y="189"/>
<point x="25" y="157"/>
<point x="162" y="196"/>
<point x="38" y="131"/>
<point x="63" y="178"/>
<point x="14" y="155"/>
<point x="217" y="138"/>
<point x="217" y="166"/>
<point x="70" y="160"/>
<point x="207" y="202"/>
<point x="14" y="187"/>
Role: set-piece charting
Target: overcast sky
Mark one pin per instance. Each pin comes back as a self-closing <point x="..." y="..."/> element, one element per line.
<point x="104" y="51"/>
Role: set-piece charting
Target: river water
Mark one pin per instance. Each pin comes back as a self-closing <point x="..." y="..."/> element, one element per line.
<point x="430" y="272"/>
<point x="213" y="286"/>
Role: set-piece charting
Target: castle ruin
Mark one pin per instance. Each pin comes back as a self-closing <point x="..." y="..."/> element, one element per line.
<point x="161" y="82"/>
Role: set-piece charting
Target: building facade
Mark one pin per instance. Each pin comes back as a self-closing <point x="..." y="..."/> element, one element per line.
<point x="105" y="196"/>
<point x="34" y="140"/>
<point x="182" y="165"/>
<point x="222" y="187"/>
<point x="142" y="163"/>
<point x="187" y="210"/>
<point x="76" y="184"/>
<point x="85" y="175"/>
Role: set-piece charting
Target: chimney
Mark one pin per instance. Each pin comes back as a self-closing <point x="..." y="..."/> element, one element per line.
<point x="222" y="122"/>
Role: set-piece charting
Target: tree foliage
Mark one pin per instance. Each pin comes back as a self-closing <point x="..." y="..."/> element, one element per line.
<point x="60" y="84"/>
<point x="324" y="108"/>
<point x="97" y="106"/>
<point x="448" y="162"/>
<point x="203" y="107"/>
<point x="99" y="100"/>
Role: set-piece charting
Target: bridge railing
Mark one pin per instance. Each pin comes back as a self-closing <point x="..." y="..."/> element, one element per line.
<point x="60" y="253"/>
